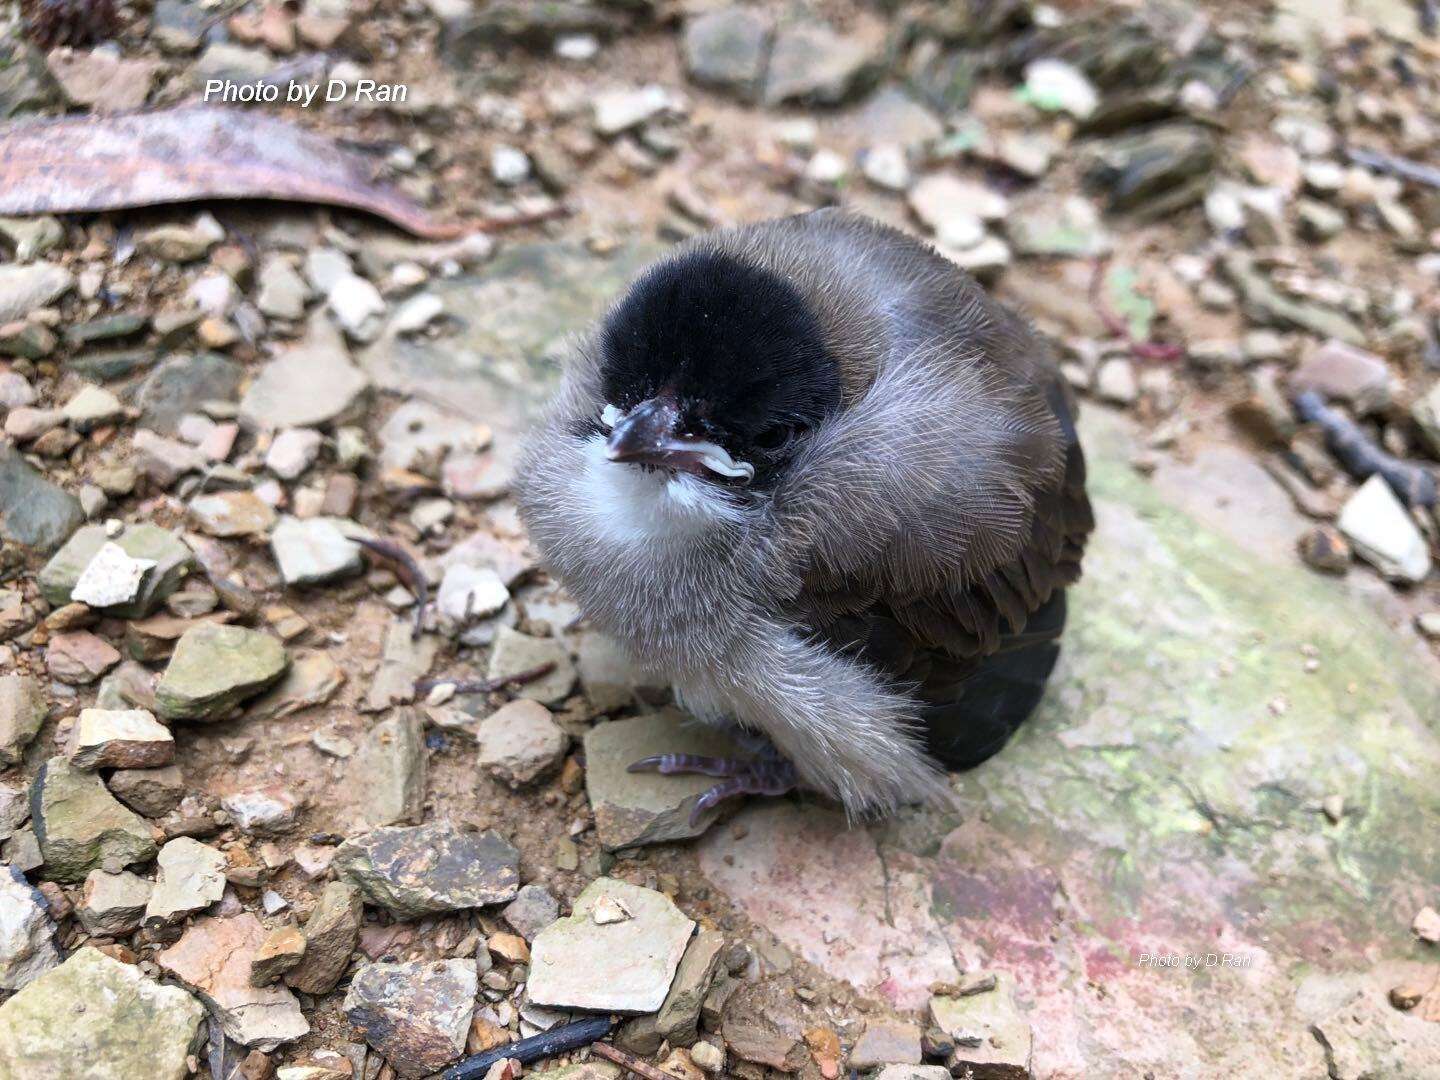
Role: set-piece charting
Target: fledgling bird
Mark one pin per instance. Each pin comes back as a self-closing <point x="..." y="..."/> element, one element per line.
<point x="810" y="473"/>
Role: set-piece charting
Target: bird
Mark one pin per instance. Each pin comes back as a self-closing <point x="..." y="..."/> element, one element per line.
<point x="808" y="471"/>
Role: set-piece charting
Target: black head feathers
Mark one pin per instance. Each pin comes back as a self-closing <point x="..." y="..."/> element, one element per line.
<point x="736" y="345"/>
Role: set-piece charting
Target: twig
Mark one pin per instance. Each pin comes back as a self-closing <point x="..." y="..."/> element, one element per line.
<point x="1361" y="457"/>
<point x="1145" y="350"/>
<point x="558" y="1040"/>
<point x="1395" y="165"/>
<point x="516" y="221"/>
<point x="486" y="686"/>
<point x="628" y="1061"/>
<point x="409" y="571"/>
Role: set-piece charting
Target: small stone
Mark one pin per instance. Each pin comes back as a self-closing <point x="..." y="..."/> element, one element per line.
<point x="212" y="958"/>
<point x="101" y="82"/>
<point x="92" y="407"/>
<point x="509" y="166"/>
<point x="417" y="1015"/>
<point x="1115" y="382"/>
<point x="710" y="1057"/>
<point x="468" y="593"/>
<point x="993" y="1040"/>
<point x="232" y="513"/>
<point x="1428" y="623"/>
<point x="531" y="911"/>
<point x="1406" y="996"/>
<point x="624" y="966"/>
<point x="293" y="451"/>
<point x="607" y="910"/>
<point x="404" y="659"/>
<point x="96" y="1017"/>
<point x="1344" y="372"/>
<point x="812" y="64"/>
<point x="308" y="385"/>
<point x="267" y="811"/>
<point x="886" y="1042"/>
<point x="358" y="307"/>
<point x="519" y="743"/>
<point x="1041" y="224"/>
<point x="216" y="667"/>
<point x="111" y="579"/>
<point x="23" y="288"/>
<point x="1383" y="533"/>
<point x="428" y="869"/>
<point x="762" y="1025"/>
<point x="1426" y="925"/>
<point x="79" y="658"/>
<point x="119" y="739"/>
<point x="79" y="825"/>
<point x="725" y="49"/>
<point x="313" y="551"/>
<point x="26" y="425"/>
<point x="886" y="166"/>
<point x="282" y="291"/>
<point x="312" y="679"/>
<point x="416" y="313"/>
<point x="282" y="949"/>
<point x="33" y="511"/>
<point x="27" y="933"/>
<point x="1319" y="221"/>
<point x="1055" y="86"/>
<point x="181" y="243"/>
<point x="390" y="768"/>
<point x="515" y="653"/>
<point x="617" y="111"/>
<point x="330" y="936"/>
<point x="510" y="948"/>
<point x="22" y="712"/>
<point x="1324" y="549"/>
<point x="191" y="877"/>
<point x="417" y="435"/>
<point x="113" y="905"/>
<point x="15" y="391"/>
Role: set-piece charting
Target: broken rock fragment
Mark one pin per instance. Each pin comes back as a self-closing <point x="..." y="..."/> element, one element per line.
<point x="120" y="739"/>
<point x="80" y="825"/>
<point x="216" y="667"/>
<point x="416" y="1014"/>
<point x="428" y="869"/>
<point x="992" y="1037"/>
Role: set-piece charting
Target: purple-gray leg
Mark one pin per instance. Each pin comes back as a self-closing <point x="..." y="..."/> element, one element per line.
<point x="762" y="776"/>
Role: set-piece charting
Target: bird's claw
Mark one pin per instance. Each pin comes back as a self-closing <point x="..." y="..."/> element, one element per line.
<point x="765" y="776"/>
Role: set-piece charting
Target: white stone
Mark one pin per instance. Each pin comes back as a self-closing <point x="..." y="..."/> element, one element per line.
<point x="313" y="550"/>
<point x="417" y="313"/>
<point x="1383" y="533"/>
<point x="27" y="934"/>
<point x="470" y="592"/>
<point x="509" y="165"/>
<point x="1052" y="82"/>
<point x="620" y="110"/>
<point x="886" y="166"/>
<point x="292" y="452"/>
<point x="112" y="577"/>
<point x="358" y="307"/>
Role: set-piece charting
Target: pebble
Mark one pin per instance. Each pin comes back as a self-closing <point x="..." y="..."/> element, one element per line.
<point x="390" y="766"/>
<point x="531" y="911"/>
<point x="282" y="949"/>
<point x="886" y="166"/>
<point x="725" y="49"/>
<point x="79" y="658"/>
<point x="331" y="933"/>
<point x="1383" y="533"/>
<point x="169" y="558"/>
<point x="293" y="451"/>
<point x="509" y="166"/>
<point x="417" y="433"/>
<point x="1055" y="85"/>
<point x="1426" y="925"/>
<point x="150" y="792"/>
<point x="33" y="511"/>
<point x="811" y="64"/>
<point x="282" y="292"/>
<point x="519" y="743"/>
<point x="266" y="811"/>
<point x="992" y="1036"/>
<point x="190" y="878"/>
<point x="214" y="668"/>
<point x="416" y="1014"/>
<point x="113" y="905"/>
<point x="27" y="933"/>
<point x="1344" y="372"/>
<point x="212" y="958"/>
<point x="626" y="966"/>
<point x="1115" y="382"/>
<point x="468" y="593"/>
<point x="886" y="1042"/>
<point x="111" y="579"/>
<point x="119" y="739"/>
<point x="617" y="111"/>
<point x="357" y="306"/>
<point x="1323" y="548"/>
<point x="80" y="826"/>
<point x="313" y="551"/>
<point x="23" y="288"/>
<point x="92" y="407"/>
<point x="416" y="313"/>
<point x="515" y="652"/>
<point x="762" y="1025"/>
<point x="181" y="243"/>
<point x="97" y="1017"/>
<point x="232" y="513"/>
<point x="429" y="869"/>
<point x="308" y="385"/>
<point x="22" y="712"/>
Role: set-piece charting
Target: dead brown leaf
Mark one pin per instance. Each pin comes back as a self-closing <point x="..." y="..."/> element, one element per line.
<point x="85" y="163"/>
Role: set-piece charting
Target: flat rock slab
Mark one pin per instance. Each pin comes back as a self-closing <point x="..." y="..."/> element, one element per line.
<point x="623" y="966"/>
<point x="212" y="958"/>
<point x="390" y="768"/>
<point x="313" y="550"/>
<point x="214" y="668"/>
<point x="310" y="384"/>
<point x="120" y="739"/>
<point x="417" y="1015"/>
<point x="822" y="888"/>
<point x="96" y="1017"/>
<point x="430" y="869"/>
<point x="1166" y="801"/>
<point x="632" y="809"/>
<point x="80" y="825"/>
<point x="191" y="877"/>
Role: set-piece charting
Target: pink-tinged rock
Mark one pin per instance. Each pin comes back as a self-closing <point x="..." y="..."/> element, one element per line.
<point x="823" y="890"/>
<point x="212" y="958"/>
<point x="79" y="658"/>
<point x="1344" y="372"/>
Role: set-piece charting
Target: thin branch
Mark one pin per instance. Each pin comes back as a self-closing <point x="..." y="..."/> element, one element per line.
<point x="628" y="1061"/>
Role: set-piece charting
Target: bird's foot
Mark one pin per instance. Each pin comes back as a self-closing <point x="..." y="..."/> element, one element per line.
<point x="762" y="776"/>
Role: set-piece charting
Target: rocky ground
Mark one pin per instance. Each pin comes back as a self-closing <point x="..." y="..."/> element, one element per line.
<point x="264" y="813"/>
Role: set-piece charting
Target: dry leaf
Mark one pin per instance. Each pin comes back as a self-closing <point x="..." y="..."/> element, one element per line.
<point x="90" y="163"/>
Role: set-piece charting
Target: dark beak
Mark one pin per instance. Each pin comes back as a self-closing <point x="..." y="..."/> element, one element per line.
<point x="646" y="433"/>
